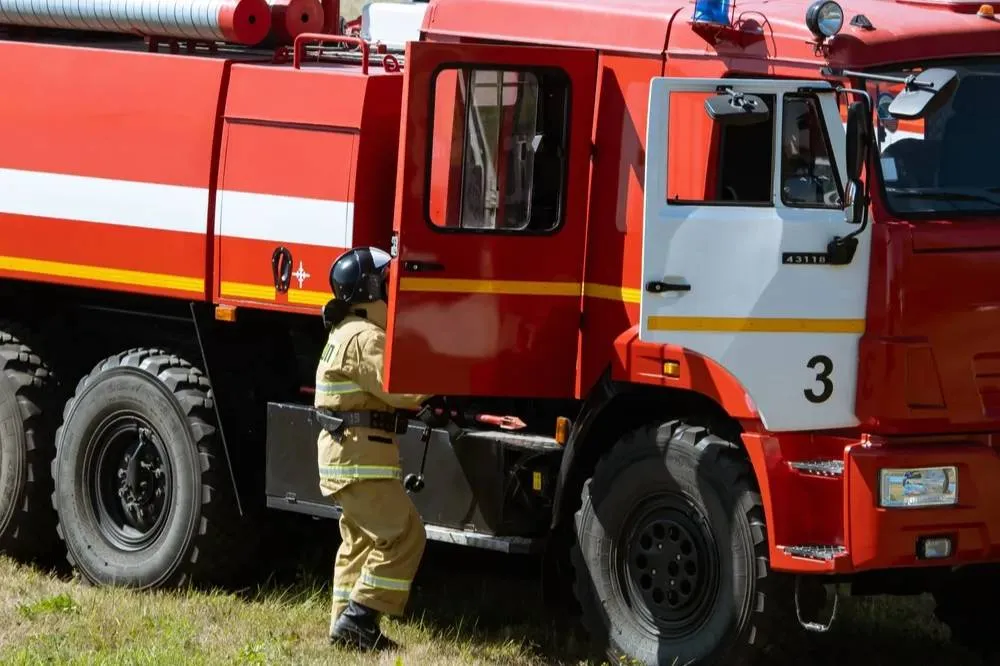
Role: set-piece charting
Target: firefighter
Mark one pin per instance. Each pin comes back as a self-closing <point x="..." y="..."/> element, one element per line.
<point x="382" y="533"/>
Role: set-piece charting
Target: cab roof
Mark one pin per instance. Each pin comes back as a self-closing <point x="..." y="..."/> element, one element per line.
<point x="617" y="25"/>
<point x="903" y="29"/>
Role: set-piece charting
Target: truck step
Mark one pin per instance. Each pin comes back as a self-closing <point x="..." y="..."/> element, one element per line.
<point x="513" y="545"/>
<point x="505" y="544"/>
<point x="815" y="552"/>
<point x="513" y="440"/>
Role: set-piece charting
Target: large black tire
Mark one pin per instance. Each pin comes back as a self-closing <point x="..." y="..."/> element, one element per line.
<point x="671" y="550"/>
<point x="151" y="399"/>
<point x="28" y="416"/>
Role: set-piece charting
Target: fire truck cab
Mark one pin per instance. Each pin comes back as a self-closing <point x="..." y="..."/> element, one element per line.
<point x="722" y="212"/>
<point x="708" y="287"/>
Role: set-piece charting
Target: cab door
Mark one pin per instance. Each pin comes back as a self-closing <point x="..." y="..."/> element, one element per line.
<point x="490" y="220"/>
<point x="737" y="223"/>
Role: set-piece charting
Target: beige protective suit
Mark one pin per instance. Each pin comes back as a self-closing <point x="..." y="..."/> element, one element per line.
<point x="383" y="534"/>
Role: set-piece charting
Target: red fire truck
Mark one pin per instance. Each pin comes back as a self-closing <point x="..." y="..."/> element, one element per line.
<point x="710" y="288"/>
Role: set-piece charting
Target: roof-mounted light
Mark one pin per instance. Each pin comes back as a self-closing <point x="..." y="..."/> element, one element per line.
<point x="824" y="18"/>
<point x="715" y="12"/>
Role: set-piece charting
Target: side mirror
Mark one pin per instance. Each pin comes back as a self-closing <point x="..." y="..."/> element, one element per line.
<point x="925" y="93"/>
<point x="854" y="202"/>
<point x="735" y="108"/>
<point x="858" y="140"/>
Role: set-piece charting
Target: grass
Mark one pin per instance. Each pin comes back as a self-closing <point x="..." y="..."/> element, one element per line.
<point x="469" y="607"/>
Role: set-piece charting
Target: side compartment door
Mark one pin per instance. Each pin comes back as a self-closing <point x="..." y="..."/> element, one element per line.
<point x="737" y="223"/>
<point x="490" y="220"/>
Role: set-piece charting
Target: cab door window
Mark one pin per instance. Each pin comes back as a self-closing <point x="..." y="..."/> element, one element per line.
<point x="712" y="163"/>
<point x="809" y="176"/>
<point x="498" y="150"/>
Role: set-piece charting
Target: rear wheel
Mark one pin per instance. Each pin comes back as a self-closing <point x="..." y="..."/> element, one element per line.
<point x="142" y="490"/>
<point x="671" y="553"/>
<point x="27" y="430"/>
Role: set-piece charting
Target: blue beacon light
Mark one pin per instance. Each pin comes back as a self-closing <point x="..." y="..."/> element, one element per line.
<point x="712" y="11"/>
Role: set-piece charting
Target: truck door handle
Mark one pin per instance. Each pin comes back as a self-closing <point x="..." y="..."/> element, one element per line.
<point x="421" y="266"/>
<point x="657" y="287"/>
<point x="281" y="268"/>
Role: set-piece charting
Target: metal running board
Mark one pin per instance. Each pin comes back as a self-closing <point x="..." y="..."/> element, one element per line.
<point x="814" y="552"/>
<point x="513" y="545"/>
<point x="513" y="440"/>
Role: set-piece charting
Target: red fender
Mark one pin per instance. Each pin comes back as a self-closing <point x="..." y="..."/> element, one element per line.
<point x="644" y="363"/>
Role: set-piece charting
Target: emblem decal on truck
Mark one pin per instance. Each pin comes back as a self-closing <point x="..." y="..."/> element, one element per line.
<point x="300" y="274"/>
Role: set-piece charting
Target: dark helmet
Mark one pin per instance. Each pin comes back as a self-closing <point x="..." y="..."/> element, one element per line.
<point x="359" y="275"/>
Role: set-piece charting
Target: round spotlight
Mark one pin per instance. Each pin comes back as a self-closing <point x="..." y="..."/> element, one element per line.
<point x="824" y="18"/>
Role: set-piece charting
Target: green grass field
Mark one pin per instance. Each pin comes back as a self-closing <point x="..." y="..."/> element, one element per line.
<point x="469" y="607"/>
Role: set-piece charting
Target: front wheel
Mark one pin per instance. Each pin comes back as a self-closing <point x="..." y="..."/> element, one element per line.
<point x="671" y="552"/>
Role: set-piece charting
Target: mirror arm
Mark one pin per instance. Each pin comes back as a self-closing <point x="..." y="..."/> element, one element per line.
<point x="909" y="82"/>
<point x="841" y="249"/>
<point x="860" y="93"/>
<point x="866" y="199"/>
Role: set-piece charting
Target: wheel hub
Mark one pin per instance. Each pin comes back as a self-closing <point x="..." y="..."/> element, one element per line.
<point x="140" y="476"/>
<point x="133" y="481"/>
<point x="669" y="566"/>
<point x="665" y="565"/>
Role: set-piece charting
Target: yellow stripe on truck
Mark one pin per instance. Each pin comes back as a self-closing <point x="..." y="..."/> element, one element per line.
<point x="516" y="287"/>
<point x="521" y="288"/>
<point x="269" y="293"/>
<point x="103" y="274"/>
<point x="437" y="285"/>
<point x="754" y="325"/>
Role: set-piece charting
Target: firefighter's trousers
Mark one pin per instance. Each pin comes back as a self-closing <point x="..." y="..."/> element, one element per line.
<point x="382" y="534"/>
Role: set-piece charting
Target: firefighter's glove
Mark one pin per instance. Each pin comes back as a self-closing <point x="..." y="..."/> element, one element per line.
<point x="435" y="413"/>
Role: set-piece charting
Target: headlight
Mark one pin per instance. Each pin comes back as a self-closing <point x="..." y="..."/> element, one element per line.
<point x="824" y="18"/>
<point x="918" y="487"/>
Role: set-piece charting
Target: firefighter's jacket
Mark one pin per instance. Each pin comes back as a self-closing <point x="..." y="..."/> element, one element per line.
<point x="349" y="378"/>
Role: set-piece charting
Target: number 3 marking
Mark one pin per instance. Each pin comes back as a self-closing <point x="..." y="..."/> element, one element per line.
<point x="822" y="376"/>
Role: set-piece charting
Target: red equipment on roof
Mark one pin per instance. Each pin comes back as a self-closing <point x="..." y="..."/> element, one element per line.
<point x="235" y="21"/>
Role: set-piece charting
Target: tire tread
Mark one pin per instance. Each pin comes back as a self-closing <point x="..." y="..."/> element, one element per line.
<point x="217" y="550"/>
<point x="729" y="463"/>
<point x="31" y="533"/>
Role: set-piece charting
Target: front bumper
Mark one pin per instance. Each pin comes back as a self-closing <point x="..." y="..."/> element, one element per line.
<point x="828" y="518"/>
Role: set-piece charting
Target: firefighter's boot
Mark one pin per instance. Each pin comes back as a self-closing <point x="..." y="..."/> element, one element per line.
<point x="358" y="627"/>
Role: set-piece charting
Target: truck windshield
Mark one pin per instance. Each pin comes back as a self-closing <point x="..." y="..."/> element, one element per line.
<point x="948" y="163"/>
